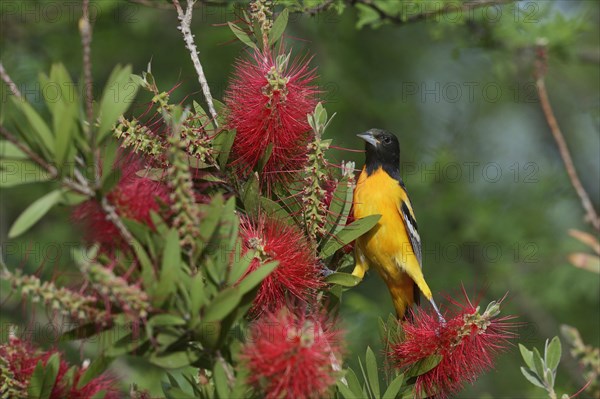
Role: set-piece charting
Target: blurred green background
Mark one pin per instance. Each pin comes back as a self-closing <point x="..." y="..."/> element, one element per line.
<point x="489" y="189"/>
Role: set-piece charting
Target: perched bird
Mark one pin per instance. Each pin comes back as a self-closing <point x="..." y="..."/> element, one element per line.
<point x="393" y="246"/>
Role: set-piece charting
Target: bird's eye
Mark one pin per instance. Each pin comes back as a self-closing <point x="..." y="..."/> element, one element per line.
<point x="387" y="140"/>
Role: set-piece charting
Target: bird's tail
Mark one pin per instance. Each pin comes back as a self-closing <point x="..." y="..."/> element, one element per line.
<point x="403" y="292"/>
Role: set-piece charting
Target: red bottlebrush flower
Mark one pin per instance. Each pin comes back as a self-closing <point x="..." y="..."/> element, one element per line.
<point x="133" y="198"/>
<point x="99" y="384"/>
<point x="292" y="356"/>
<point x="466" y="343"/>
<point x="297" y="275"/>
<point x="19" y="360"/>
<point x="268" y="102"/>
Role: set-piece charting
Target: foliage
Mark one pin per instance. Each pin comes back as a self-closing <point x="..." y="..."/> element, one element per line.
<point x="541" y="372"/>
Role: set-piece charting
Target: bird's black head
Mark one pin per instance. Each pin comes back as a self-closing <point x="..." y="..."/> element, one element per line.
<point x="383" y="150"/>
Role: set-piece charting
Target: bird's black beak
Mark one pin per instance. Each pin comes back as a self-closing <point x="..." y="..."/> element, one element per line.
<point x="369" y="138"/>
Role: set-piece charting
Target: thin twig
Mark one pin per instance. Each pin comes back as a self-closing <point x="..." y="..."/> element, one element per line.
<point x="317" y="9"/>
<point x="185" y="20"/>
<point x="431" y="14"/>
<point x="83" y="189"/>
<point x="113" y="216"/>
<point x="540" y="72"/>
<point x="227" y="368"/>
<point x="160" y="4"/>
<point x="81" y="186"/>
<point x="28" y="151"/>
<point x="85" y="29"/>
<point x="9" y="82"/>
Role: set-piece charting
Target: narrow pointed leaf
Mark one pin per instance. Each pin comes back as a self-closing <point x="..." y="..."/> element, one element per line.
<point x="394" y="388"/>
<point x="349" y="234"/>
<point x="33" y="213"/>
<point x="527" y="356"/>
<point x="119" y="93"/>
<point x="223" y="304"/>
<point x="243" y="36"/>
<point x="97" y="367"/>
<point x="40" y="128"/>
<point x="343" y="279"/>
<point x="278" y="27"/>
<point x="532" y="377"/>
<point x="372" y="372"/>
<point x="553" y="353"/>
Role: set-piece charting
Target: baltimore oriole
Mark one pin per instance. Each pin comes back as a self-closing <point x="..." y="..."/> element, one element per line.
<point x="393" y="246"/>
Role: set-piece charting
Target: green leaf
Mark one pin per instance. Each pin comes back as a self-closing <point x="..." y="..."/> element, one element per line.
<point x="170" y="270"/>
<point x="220" y="380"/>
<point x="242" y="35"/>
<point x="223" y="304"/>
<point x="161" y="320"/>
<point x="225" y="142"/>
<point x="43" y="378"/>
<point x="64" y="110"/>
<point x="532" y="377"/>
<point x="119" y="93"/>
<point x="262" y="162"/>
<point x="527" y="356"/>
<point x="366" y="15"/>
<point x="14" y="172"/>
<point x="343" y="279"/>
<point x="349" y="234"/>
<point x="110" y="151"/>
<point x="394" y="388"/>
<point x="110" y="180"/>
<point x="549" y="378"/>
<point x="372" y="372"/>
<point x="339" y="208"/>
<point x="147" y="268"/>
<point x="275" y="210"/>
<point x="64" y="124"/>
<point x="40" y="128"/>
<point x="174" y="360"/>
<point x="538" y="363"/>
<point x="423" y="366"/>
<point x="177" y="393"/>
<point x="240" y="265"/>
<point x="346" y="392"/>
<point x="256" y="277"/>
<point x="94" y="370"/>
<point x="33" y="213"/>
<point x="125" y="345"/>
<point x="251" y="196"/>
<point x="210" y="222"/>
<point x="278" y="27"/>
<point x="553" y="353"/>
<point x="353" y="383"/>
<point x="10" y="151"/>
<point x="80" y="332"/>
<point x="197" y="294"/>
<point x="366" y="379"/>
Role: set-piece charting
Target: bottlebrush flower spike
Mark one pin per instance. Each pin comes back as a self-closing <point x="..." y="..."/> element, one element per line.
<point x="466" y="345"/>
<point x="292" y="356"/>
<point x="133" y="198"/>
<point x="268" y="103"/>
<point x="297" y="276"/>
<point x="18" y="360"/>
